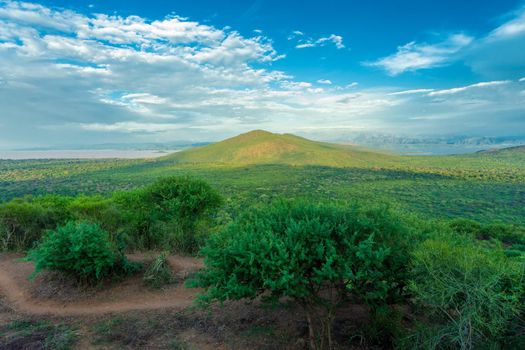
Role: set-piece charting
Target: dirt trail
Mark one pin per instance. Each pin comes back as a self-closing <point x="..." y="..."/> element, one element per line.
<point x="126" y="296"/>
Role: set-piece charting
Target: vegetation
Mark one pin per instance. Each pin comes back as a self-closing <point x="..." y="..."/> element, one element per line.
<point x="159" y="273"/>
<point x="262" y="147"/>
<point x="24" y="220"/>
<point x="29" y="334"/>
<point x="321" y="256"/>
<point x="82" y="251"/>
<point x="171" y="213"/>
<point x="451" y="280"/>
<point x="485" y="187"/>
<point x="469" y="294"/>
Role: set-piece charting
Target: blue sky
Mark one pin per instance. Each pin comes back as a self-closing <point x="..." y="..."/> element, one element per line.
<point x="129" y="71"/>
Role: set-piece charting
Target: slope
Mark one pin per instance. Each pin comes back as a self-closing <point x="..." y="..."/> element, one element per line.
<point x="262" y="147"/>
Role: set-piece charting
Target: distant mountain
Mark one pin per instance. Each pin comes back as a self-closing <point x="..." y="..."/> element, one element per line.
<point x="262" y="147"/>
<point x="380" y="139"/>
<point x="514" y="151"/>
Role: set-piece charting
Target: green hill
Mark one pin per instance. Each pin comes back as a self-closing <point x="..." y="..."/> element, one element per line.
<point x="262" y="147"/>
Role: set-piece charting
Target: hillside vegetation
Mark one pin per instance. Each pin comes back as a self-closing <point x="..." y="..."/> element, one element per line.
<point x="263" y="147"/>
<point x="258" y="166"/>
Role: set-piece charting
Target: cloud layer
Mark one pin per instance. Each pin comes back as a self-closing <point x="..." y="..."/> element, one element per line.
<point x="69" y="78"/>
<point x="414" y="56"/>
<point x="499" y="52"/>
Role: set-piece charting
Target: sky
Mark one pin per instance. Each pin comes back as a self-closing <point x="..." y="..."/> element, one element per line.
<point x="91" y="72"/>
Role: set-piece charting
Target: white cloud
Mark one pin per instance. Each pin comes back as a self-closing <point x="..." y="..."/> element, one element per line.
<point x="499" y="54"/>
<point x="304" y="46"/>
<point x="515" y="26"/>
<point x="144" y="98"/>
<point x="468" y="87"/>
<point x="131" y="127"/>
<point x="522" y="79"/>
<point x="294" y="34"/>
<point x="337" y="40"/>
<point x="324" y="81"/>
<point x="414" y="56"/>
<point x="411" y="92"/>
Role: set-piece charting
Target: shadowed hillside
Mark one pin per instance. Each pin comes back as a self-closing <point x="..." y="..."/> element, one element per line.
<point x="262" y="147"/>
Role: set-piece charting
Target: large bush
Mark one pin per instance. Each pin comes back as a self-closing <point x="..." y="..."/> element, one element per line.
<point x="320" y="256"/>
<point x="171" y="213"/>
<point x="468" y="294"/>
<point x="81" y="250"/>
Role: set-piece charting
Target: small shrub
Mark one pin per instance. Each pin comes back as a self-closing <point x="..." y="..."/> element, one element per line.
<point x="82" y="251"/>
<point x="159" y="273"/>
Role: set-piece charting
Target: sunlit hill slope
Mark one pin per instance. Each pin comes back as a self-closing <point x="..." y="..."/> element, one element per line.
<point x="262" y="147"/>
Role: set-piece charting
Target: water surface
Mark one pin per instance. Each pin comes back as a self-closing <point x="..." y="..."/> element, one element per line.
<point x="83" y="154"/>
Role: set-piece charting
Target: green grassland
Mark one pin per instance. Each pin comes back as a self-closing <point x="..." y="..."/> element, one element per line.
<point x="258" y="166"/>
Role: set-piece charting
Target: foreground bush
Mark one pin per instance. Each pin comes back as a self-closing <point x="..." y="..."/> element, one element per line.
<point x="320" y="256"/>
<point x="82" y="251"/>
<point x="469" y="295"/>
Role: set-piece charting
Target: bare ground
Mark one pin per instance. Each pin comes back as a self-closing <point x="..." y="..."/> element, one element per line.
<point x="128" y="295"/>
<point x="129" y="315"/>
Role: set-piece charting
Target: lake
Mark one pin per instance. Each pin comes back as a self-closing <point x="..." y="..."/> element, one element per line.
<point x="83" y="154"/>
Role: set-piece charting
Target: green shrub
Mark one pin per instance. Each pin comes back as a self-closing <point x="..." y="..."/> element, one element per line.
<point x="172" y="213"/>
<point x="504" y="233"/>
<point x="159" y="273"/>
<point x="469" y="294"/>
<point x="320" y="256"/>
<point x="97" y="209"/>
<point x="82" y="251"/>
<point x="23" y="221"/>
<point x="466" y="227"/>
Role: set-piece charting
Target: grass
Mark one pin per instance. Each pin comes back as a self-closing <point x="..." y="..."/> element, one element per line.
<point x="39" y="334"/>
<point x="132" y="332"/>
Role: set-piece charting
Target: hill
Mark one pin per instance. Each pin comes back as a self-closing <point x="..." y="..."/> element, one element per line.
<point x="263" y="147"/>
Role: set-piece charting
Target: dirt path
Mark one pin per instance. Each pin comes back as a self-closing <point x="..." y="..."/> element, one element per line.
<point x="126" y="296"/>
